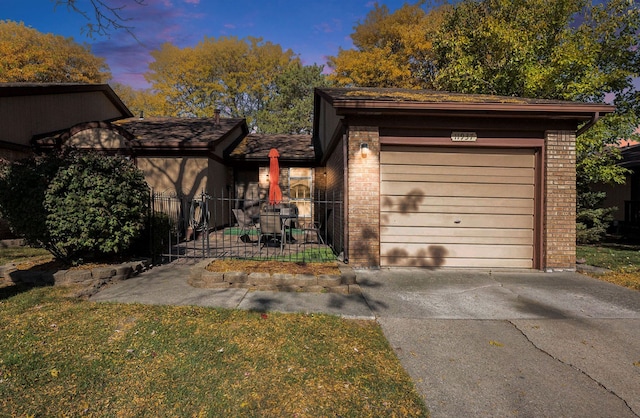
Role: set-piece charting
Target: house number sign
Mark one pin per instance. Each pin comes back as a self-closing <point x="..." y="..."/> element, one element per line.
<point x="457" y="136"/>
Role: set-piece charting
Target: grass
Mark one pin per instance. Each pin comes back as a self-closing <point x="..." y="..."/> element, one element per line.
<point x="622" y="260"/>
<point x="24" y="254"/>
<point x="61" y="356"/>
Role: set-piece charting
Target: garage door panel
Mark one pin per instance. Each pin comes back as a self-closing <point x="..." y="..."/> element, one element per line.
<point x="415" y="239"/>
<point x="435" y="209"/>
<point x="458" y="221"/>
<point x="403" y="261"/>
<point x="429" y="236"/>
<point x="457" y="207"/>
<point x="437" y="234"/>
<point x="462" y="250"/>
<point x="397" y="169"/>
<point x="450" y="178"/>
<point x="402" y="203"/>
<point x="437" y="158"/>
<point x="394" y="188"/>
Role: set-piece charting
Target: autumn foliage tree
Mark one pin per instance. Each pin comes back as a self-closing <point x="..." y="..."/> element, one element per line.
<point x="231" y="74"/>
<point x="391" y="49"/>
<point x="32" y="56"/>
<point x="289" y="106"/>
<point x="142" y="102"/>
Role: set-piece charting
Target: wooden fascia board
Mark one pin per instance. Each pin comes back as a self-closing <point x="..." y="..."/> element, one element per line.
<point x="579" y="111"/>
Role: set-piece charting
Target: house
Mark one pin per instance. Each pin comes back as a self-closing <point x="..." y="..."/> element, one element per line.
<point x="178" y="156"/>
<point x="31" y="109"/>
<point x="249" y="161"/>
<point x="435" y="179"/>
<point x="626" y="197"/>
<point x="424" y="178"/>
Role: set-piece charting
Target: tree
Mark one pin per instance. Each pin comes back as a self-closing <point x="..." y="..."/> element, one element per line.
<point x="31" y="56"/>
<point x="392" y="49"/>
<point x="229" y="74"/>
<point x="81" y="206"/>
<point x="561" y="49"/>
<point x="564" y="49"/>
<point x="142" y="102"/>
<point x="105" y="17"/>
<point x="289" y="108"/>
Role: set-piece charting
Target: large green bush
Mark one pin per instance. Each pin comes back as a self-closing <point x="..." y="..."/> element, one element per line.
<point x="77" y="206"/>
<point x="23" y="185"/>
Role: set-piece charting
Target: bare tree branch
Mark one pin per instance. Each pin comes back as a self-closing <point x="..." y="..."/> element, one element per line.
<point x="103" y="18"/>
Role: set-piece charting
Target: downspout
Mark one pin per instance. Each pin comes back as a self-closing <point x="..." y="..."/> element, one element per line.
<point x="586" y="126"/>
<point x="345" y="181"/>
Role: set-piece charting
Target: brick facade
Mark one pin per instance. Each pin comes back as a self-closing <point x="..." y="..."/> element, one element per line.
<point x="364" y="197"/>
<point x="559" y="235"/>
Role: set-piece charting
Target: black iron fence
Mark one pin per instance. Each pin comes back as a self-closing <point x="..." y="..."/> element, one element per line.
<point x="209" y="226"/>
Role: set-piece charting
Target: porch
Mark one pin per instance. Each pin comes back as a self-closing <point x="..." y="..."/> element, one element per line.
<point x="208" y="226"/>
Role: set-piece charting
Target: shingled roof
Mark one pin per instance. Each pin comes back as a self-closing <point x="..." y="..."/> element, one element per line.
<point x="183" y="133"/>
<point x="293" y="149"/>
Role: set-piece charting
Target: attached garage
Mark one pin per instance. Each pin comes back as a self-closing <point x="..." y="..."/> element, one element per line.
<point x="457" y="207"/>
<point x="443" y="180"/>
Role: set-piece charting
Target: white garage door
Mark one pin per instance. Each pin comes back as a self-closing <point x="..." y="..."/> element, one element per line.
<point x="444" y="207"/>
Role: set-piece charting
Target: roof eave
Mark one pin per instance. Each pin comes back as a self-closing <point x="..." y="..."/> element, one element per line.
<point x="383" y="106"/>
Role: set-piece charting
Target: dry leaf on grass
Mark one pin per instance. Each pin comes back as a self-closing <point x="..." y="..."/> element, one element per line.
<point x="252" y="266"/>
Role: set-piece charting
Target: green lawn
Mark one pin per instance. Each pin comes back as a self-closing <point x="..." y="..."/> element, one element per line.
<point x="19" y="254"/>
<point x="622" y="260"/>
<point x="61" y="356"/>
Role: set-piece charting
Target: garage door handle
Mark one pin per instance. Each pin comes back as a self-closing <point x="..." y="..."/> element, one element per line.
<point x="457" y="221"/>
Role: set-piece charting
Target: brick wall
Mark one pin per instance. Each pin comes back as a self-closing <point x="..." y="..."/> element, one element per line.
<point x="364" y="197"/>
<point x="559" y="236"/>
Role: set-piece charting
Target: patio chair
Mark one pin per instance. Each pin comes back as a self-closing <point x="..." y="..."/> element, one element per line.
<point x="245" y="223"/>
<point x="270" y="228"/>
<point x="289" y="216"/>
<point x="312" y="229"/>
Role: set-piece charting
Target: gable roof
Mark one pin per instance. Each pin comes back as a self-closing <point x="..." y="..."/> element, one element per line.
<point x="364" y="99"/>
<point x="42" y="89"/>
<point x="30" y="109"/>
<point x="293" y="149"/>
<point x="173" y="133"/>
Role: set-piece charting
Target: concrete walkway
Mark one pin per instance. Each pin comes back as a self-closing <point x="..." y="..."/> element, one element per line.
<point x="475" y="343"/>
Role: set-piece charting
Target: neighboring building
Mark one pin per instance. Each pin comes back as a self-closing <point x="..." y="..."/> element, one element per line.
<point x="434" y="179"/>
<point x="28" y="110"/>
<point x="178" y="156"/>
<point x="626" y="197"/>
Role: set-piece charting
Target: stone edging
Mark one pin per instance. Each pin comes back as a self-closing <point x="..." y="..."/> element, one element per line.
<point x="91" y="279"/>
<point x="345" y="283"/>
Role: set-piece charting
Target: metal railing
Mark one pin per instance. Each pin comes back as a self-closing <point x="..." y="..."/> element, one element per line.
<point x="205" y="226"/>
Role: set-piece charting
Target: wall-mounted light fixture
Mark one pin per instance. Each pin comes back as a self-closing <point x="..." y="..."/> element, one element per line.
<point x="364" y="149"/>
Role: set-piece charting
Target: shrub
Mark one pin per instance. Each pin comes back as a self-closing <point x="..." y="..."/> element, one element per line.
<point x="77" y="206"/>
<point x="23" y="185"/>
<point x="96" y="206"/>
<point x="592" y="220"/>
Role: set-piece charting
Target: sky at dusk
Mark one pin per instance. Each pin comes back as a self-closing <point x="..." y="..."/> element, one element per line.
<point x="313" y="29"/>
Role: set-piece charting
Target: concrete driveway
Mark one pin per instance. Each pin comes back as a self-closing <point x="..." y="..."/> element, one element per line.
<point x="512" y="344"/>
